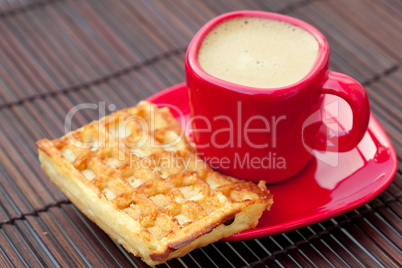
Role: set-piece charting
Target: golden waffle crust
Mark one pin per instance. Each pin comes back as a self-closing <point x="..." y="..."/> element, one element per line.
<point x="135" y="174"/>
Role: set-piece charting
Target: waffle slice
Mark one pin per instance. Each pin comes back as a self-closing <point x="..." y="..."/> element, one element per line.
<point x="138" y="178"/>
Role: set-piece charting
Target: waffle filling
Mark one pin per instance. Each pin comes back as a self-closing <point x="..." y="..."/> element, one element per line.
<point x="136" y="175"/>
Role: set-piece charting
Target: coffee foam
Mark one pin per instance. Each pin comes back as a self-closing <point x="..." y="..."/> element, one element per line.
<point x="258" y="52"/>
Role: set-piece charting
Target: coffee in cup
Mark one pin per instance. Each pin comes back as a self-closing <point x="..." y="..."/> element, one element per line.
<point x="256" y="81"/>
<point x="258" y="52"/>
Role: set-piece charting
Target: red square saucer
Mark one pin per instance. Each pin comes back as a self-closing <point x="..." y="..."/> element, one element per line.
<point x="319" y="191"/>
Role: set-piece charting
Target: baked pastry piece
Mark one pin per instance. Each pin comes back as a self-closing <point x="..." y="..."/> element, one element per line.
<point x="139" y="179"/>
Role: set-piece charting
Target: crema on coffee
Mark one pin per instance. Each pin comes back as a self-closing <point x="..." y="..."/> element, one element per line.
<point x="258" y="52"/>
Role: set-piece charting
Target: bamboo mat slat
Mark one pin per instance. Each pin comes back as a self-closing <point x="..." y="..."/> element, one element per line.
<point x="16" y="6"/>
<point x="55" y="54"/>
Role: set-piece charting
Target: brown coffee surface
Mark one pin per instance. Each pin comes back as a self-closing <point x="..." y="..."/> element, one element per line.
<point x="258" y="52"/>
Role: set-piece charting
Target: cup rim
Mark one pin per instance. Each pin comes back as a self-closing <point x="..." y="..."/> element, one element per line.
<point x="319" y="65"/>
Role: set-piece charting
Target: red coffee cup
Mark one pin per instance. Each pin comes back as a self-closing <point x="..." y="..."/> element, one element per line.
<point x="229" y="120"/>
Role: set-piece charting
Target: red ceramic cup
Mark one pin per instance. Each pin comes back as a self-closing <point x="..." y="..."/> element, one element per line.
<point x="227" y="118"/>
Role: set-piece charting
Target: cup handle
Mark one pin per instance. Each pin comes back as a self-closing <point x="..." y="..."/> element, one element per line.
<point x="354" y="94"/>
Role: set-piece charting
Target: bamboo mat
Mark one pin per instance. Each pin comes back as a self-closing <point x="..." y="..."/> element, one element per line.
<point x="55" y="54"/>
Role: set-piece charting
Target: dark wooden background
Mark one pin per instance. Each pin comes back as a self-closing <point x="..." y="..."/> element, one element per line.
<point x="57" y="54"/>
